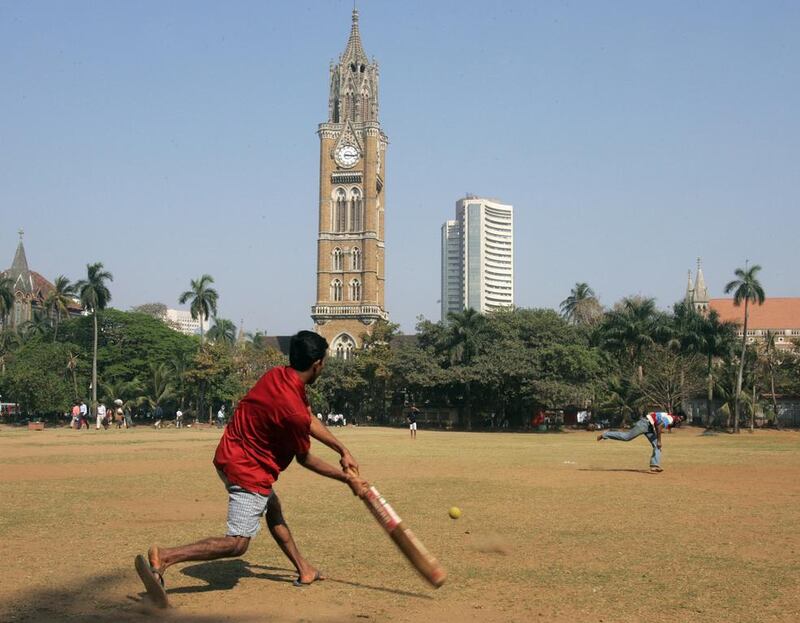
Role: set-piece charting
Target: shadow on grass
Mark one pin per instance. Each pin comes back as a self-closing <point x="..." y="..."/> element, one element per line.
<point x="95" y="599"/>
<point x="615" y="469"/>
<point x="223" y="575"/>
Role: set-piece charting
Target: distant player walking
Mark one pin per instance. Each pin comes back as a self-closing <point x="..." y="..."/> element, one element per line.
<point x="413" y="415"/>
<point x="650" y="426"/>
<point x="271" y="426"/>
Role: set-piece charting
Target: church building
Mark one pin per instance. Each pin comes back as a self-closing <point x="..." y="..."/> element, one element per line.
<point x="350" y="243"/>
<point x="29" y="290"/>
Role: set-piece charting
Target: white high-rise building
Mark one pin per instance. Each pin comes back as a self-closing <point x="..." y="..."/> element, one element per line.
<point x="478" y="257"/>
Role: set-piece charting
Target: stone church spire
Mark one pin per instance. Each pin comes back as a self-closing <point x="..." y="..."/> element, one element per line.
<point x="19" y="272"/>
<point x="700" y="290"/>
<point x="689" y="288"/>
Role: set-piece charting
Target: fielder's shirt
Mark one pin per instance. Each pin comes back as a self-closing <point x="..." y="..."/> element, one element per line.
<point x="271" y="425"/>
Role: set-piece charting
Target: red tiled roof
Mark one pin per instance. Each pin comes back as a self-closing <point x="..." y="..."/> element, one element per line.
<point x="775" y="313"/>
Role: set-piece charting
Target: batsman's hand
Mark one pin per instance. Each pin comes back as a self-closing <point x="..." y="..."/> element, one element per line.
<point x="658" y="445"/>
<point x="357" y="485"/>
<point x="348" y="463"/>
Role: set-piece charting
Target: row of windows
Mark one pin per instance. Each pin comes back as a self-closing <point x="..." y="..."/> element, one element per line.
<point x="337" y="259"/>
<point x="353" y="290"/>
<point x="348" y="210"/>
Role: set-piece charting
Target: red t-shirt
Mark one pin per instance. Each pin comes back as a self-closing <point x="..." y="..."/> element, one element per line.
<point x="270" y="426"/>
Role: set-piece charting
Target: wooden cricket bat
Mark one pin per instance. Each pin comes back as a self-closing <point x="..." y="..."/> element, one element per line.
<point x="412" y="548"/>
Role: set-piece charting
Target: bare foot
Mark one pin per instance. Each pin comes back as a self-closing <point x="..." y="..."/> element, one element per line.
<point x="308" y="576"/>
<point x="154" y="557"/>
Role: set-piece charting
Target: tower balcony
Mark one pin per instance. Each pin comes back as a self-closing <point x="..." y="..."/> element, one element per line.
<point x="329" y="312"/>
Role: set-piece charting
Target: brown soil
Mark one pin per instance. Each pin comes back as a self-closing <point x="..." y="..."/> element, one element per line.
<point x="554" y="528"/>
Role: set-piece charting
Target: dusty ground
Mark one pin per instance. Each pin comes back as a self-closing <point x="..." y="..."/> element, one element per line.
<point x="555" y="527"/>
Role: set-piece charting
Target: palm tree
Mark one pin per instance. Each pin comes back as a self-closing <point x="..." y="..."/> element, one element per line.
<point x="204" y="300"/>
<point x="158" y="387"/>
<point x="747" y="288"/>
<point x="630" y="328"/>
<point x="223" y="331"/>
<point x="769" y="361"/>
<point x="6" y="297"/>
<point x="716" y="338"/>
<point x="581" y="306"/>
<point x="9" y="342"/>
<point x="463" y="330"/>
<point x="58" y="299"/>
<point x="94" y="296"/>
<point x="38" y="325"/>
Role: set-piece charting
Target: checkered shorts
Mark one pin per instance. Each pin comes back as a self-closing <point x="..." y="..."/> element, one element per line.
<point x="244" y="511"/>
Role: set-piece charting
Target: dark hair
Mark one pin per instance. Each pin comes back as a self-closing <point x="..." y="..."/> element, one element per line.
<point x="305" y="348"/>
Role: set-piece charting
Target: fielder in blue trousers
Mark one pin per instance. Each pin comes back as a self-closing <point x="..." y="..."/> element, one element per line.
<point x="650" y="426"/>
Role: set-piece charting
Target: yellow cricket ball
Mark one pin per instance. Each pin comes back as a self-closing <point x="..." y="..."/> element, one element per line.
<point x="454" y="512"/>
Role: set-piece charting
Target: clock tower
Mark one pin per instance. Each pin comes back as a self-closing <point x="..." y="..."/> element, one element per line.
<point x="350" y="245"/>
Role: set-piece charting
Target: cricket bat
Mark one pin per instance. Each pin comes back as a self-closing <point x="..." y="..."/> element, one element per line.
<point x="412" y="548"/>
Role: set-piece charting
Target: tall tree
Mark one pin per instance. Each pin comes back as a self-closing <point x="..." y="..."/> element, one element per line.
<point x="57" y="301"/>
<point x="768" y="358"/>
<point x="463" y="331"/>
<point x="581" y="307"/>
<point x="716" y="338"/>
<point x="747" y="288"/>
<point x="203" y="300"/>
<point x="630" y="328"/>
<point x="94" y="295"/>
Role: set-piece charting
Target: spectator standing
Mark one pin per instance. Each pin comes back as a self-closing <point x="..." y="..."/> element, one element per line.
<point x="76" y="416"/>
<point x="101" y="416"/>
<point x="221" y="417"/>
<point x="84" y="416"/>
<point x="179" y="419"/>
<point x="413" y="415"/>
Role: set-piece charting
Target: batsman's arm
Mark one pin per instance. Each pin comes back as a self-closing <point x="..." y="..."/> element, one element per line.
<point x="658" y="434"/>
<point x="357" y="484"/>
<point x="321" y="433"/>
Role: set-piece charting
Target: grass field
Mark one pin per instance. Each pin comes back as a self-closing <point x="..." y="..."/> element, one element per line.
<point x="555" y="527"/>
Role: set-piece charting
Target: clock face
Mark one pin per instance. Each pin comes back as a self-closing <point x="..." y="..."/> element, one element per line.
<point x="347" y="155"/>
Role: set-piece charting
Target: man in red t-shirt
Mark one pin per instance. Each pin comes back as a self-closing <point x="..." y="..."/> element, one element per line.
<point x="271" y="426"/>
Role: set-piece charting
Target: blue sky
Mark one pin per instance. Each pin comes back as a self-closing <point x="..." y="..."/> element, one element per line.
<point x="172" y="139"/>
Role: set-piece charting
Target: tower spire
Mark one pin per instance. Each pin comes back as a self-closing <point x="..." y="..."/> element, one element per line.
<point x="700" y="289"/>
<point x="354" y="52"/>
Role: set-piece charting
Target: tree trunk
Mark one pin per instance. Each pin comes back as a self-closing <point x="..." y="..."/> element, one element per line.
<point x="774" y="402"/>
<point x="741" y="370"/>
<point x="709" y="423"/>
<point x="94" y="368"/>
<point x="753" y="411"/>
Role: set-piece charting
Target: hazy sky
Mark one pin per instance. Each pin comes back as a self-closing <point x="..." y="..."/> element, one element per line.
<point x="172" y="139"/>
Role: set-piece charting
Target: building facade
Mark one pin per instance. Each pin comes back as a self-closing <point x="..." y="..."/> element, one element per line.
<point x="778" y="316"/>
<point x="350" y="244"/>
<point x="478" y="257"/>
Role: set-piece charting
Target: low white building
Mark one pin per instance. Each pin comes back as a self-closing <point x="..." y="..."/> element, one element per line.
<point x="181" y="320"/>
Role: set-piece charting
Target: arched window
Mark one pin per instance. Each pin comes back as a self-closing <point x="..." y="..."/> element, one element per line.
<point x="336" y="290"/>
<point x="340" y="210"/>
<point x="355" y="290"/>
<point x="343" y="346"/>
<point x="336" y="256"/>
<point x="356" y="259"/>
<point x="356" y="210"/>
